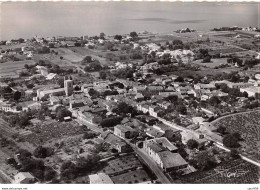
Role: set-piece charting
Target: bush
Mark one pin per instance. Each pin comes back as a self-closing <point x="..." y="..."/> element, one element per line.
<point x="42" y="152"/>
<point x="192" y="144"/>
<point x="231" y="141"/>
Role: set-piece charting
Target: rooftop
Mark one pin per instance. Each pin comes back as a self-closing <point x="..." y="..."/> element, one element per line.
<point x="170" y="159"/>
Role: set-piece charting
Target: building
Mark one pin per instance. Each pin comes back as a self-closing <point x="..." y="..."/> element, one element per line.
<point x="252" y="91"/>
<point x="68" y="87"/>
<point x="239" y="85"/>
<point x="205" y="86"/>
<point x="100" y="178"/>
<point x="50" y="92"/>
<point x="169" y="161"/>
<point x="24" y="178"/>
<point x="116" y="142"/>
<point x="88" y="117"/>
<point x="8" y="107"/>
<point x="162" y="152"/>
<point x="125" y="131"/>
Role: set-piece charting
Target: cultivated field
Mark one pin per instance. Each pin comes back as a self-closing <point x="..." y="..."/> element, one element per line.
<point x="231" y="172"/>
<point x="248" y="125"/>
<point x="13" y="68"/>
<point x="51" y="130"/>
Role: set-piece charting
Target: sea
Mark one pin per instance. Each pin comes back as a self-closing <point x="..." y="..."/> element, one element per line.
<point x="47" y="19"/>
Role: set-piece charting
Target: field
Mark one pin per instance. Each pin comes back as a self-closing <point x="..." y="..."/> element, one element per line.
<point x="212" y="64"/>
<point x="121" y="165"/>
<point x="247" y="124"/>
<point x="11" y="69"/>
<point x="137" y="176"/>
<point x="69" y="54"/>
<point x="231" y="172"/>
<point x="51" y="130"/>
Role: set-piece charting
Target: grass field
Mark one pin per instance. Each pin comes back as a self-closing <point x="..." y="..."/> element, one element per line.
<point x="69" y="54"/>
<point x="11" y="69"/>
<point x="212" y="64"/>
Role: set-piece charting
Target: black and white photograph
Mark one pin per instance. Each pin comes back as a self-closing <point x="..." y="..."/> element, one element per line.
<point x="129" y="92"/>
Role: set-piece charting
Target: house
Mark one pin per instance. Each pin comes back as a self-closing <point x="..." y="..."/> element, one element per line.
<point x="154" y="133"/>
<point x="165" y="105"/>
<point x="24" y="178"/>
<point x="125" y="131"/>
<point x="89" y="117"/>
<point x="8" y="107"/>
<point x="30" y="105"/>
<point x="161" y="151"/>
<point x="155" y="111"/>
<point x="116" y="142"/>
<point x="252" y="91"/>
<point x="51" y="76"/>
<point x="139" y="97"/>
<point x="205" y="86"/>
<point x="55" y="100"/>
<point x="169" y="161"/>
<point x="198" y="120"/>
<point x="239" y="85"/>
<point x="143" y="107"/>
<point x="76" y="103"/>
<point x="100" y="178"/>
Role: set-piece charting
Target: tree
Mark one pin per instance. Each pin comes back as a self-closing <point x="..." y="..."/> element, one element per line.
<point x="61" y="113"/>
<point x="203" y="161"/>
<point x="111" y="121"/>
<point x="222" y="130"/>
<point x="182" y="109"/>
<point x="192" y="144"/>
<point x="172" y="136"/>
<point x="179" y="79"/>
<point x="206" y="59"/>
<point x="23" y="119"/>
<point x="24" y="154"/>
<point x="42" y="152"/>
<point x="234" y="154"/>
<point x="49" y="174"/>
<point x="214" y="101"/>
<point x="102" y="35"/>
<point x="133" y="34"/>
<point x="68" y="170"/>
<point x="231" y="141"/>
<point x="124" y="108"/>
<point x="118" y="37"/>
<point x="17" y="95"/>
<point x="87" y="59"/>
<point x="102" y="75"/>
<point x="61" y="82"/>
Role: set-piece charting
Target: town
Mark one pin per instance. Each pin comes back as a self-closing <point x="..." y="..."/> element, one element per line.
<point x="137" y="108"/>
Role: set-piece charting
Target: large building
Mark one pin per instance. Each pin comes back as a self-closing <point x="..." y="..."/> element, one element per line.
<point x="252" y="91"/>
<point x="164" y="154"/>
<point x="68" y="87"/>
<point x="67" y="90"/>
<point x="125" y="131"/>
